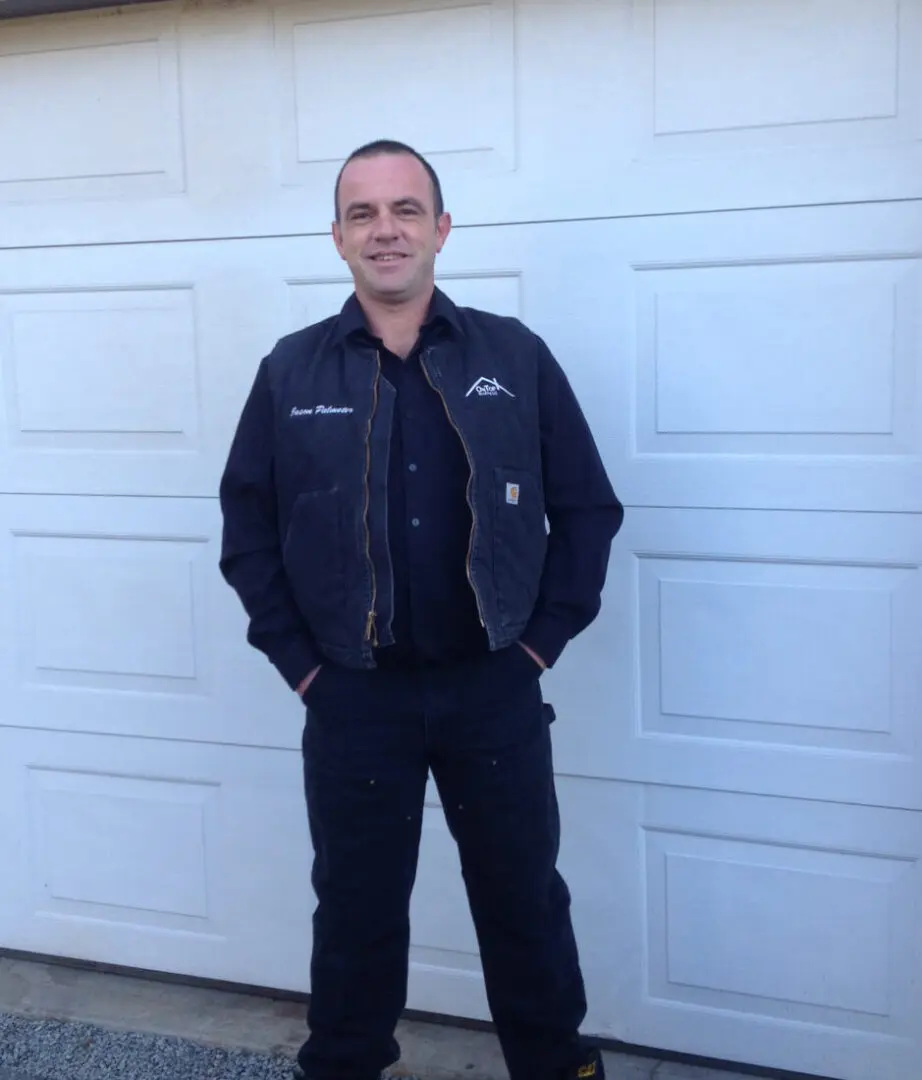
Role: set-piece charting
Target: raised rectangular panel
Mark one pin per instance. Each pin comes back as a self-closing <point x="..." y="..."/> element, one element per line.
<point x="766" y="651"/>
<point x="788" y="652"/>
<point x="94" y="839"/>
<point x="157" y="853"/>
<point x="778" y="931"/>
<point x="101" y="369"/>
<point x="118" y="622"/>
<point x="805" y="357"/>
<point x="110" y="613"/>
<point x="797" y="653"/>
<point x="501" y="294"/>
<point x="97" y="114"/>
<point x="737" y="64"/>
<point x="834" y="908"/>
<point x="732" y="105"/>
<point x="464" y="121"/>
<point x="728" y="908"/>
<point x="771" y="355"/>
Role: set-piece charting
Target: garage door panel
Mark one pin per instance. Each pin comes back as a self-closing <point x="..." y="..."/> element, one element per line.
<point x="122" y="624"/>
<point x="706" y="895"/>
<point x="770" y="652"/>
<point x="704" y="102"/>
<point x="103" y="369"/>
<point x="74" y="626"/>
<point x="775" y="360"/>
<point x="836" y="91"/>
<point x="759" y="360"/>
<point x="784" y="653"/>
<point x="634" y="92"/>
<point x="123" y="372"/>
<point x="859" y="92"/>
<point x="788" y="358"/>
<point x="807" y="913"/>
<point x="469" y="122"/>
<point x="80" y="148"/>
<point x="155" y="855"/>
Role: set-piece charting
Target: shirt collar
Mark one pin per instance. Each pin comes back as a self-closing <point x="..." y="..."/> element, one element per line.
<point x="352" y="319"/>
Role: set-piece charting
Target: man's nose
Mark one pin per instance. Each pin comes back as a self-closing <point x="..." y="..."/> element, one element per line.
<point x="385" y="227"/>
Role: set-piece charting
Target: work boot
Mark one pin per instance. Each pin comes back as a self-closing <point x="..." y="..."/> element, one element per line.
<point x="590" y="1068"/>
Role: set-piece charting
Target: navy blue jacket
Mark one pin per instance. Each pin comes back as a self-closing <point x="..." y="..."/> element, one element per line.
<point x="305" y="492"/>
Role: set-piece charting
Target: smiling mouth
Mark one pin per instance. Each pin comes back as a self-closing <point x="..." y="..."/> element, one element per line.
<point x="388" y="257"/>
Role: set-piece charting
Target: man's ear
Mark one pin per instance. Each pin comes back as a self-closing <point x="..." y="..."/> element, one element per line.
<point x="443" y="228"/>
<point x="338" y="239"/>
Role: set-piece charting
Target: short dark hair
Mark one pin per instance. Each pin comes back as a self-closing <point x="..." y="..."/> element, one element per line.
<point x="391" y="146"/>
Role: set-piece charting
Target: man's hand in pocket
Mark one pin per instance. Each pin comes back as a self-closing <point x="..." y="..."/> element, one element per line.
<point x="306" y="682"/>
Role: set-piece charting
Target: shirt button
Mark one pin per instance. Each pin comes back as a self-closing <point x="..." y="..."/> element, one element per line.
<point x="413" y="468"/>
<point x="415" y="523"/>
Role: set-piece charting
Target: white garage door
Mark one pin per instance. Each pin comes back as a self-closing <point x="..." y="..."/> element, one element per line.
<point x="713" y="212"/>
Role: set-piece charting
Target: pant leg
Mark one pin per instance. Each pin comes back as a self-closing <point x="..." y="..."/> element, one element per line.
<point x="365" y="779"/>
<point x="494" y="772"/>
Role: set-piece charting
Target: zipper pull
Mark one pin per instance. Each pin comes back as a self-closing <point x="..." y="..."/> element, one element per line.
<point x="370" y="629"/>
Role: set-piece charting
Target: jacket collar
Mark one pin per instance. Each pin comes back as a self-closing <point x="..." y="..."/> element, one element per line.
<point x="351" y="319"/>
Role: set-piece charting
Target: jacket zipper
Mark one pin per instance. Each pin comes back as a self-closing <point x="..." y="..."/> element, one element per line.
<point x="470" y="481"/>
<point x="371" y="631"/>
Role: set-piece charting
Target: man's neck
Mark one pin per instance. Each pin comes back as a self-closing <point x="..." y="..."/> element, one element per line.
<point x="397" y="325"/>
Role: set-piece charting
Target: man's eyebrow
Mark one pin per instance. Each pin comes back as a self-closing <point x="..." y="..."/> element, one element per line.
<point x="353" y="206"/>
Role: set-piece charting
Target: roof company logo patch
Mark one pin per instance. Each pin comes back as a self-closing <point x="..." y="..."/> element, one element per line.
<point x="322" y="410"/>
<point x="485" y="387"/>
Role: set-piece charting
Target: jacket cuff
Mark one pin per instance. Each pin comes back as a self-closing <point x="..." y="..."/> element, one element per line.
<point x="295" y="661"/>
<point x="547" y="637"/>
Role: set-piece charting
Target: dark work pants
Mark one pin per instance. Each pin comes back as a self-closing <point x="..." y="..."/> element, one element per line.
<point x="366" y="767"/>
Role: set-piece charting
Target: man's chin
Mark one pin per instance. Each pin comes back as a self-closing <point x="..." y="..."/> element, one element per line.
<point x="392" y="289"/>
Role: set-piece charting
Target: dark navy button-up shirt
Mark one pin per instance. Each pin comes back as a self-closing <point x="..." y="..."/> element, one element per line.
<point x="429" y="519"/>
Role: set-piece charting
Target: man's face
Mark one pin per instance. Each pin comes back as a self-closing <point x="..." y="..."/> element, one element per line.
<point x="387" y="230"/>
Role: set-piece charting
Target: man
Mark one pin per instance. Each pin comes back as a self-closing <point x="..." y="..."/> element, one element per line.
<point x="386" y="501"/>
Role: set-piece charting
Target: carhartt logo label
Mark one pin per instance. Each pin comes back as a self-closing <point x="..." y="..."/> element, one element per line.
<point x="586" y="1071"/>
<point x="485" y="387"/>
<point x="512" y="494"/>
<point x="323" y="410"/>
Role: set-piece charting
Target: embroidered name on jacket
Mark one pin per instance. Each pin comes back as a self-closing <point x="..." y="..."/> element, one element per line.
<point x="322" y="410"/>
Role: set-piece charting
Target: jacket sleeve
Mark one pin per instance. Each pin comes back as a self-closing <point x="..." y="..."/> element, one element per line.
<point x="583" y="513"/>
<point x="251" y="556"/>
